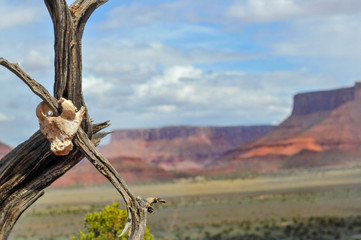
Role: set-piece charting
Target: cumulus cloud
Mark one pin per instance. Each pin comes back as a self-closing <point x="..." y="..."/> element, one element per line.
<point x="4" y="118"/>
<point x="188" y="95"/>
<point x="325" y="43"/>
<point x="18" y="14"/>
<point x="97" y="86"/>
<point x="136" y="14"/>
<point x="278" y="10"/>
<point x="163" y="108"/>
<point x="36" y="60"/>
<point x="125" y="62"/>
<point x="147" y="55"/>
<point x="170" y="87"/>
<point x="329" y="37"/>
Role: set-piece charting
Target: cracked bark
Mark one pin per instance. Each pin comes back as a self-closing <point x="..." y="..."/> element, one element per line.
<point x="31" y="167"/>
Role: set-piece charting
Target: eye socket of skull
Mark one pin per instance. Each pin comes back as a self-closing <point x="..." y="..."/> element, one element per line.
<point x="43" y="111"/>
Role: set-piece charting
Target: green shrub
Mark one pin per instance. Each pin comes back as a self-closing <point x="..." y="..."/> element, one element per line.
<point x="107" y="225"/>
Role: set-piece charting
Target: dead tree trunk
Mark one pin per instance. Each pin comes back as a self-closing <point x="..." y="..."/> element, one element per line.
<point x="31" y="167"/>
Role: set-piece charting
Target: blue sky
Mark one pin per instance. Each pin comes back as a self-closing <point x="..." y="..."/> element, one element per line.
<point x="181" y="62"/>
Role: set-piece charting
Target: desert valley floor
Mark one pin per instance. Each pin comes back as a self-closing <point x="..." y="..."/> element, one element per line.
<point x="268" y="206"/>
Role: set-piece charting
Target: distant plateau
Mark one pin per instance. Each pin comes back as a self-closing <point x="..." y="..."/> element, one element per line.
<point x="323" y="129"/>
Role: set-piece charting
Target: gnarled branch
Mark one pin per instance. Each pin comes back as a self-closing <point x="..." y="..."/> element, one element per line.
<point x="82" y="10"/>
<point x="13" y="210"/>
<point x="36" y="87"/>
<point x="137" y="207"/>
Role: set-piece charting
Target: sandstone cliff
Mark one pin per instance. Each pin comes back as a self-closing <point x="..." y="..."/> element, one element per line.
<point x="307" y="103"/>
<point x="181" y="147"/>
<point x="321" y="122"/>
<point x="146" y="154"/>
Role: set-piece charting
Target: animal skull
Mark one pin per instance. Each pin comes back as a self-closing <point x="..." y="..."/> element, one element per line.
<point x="60" y="130"/>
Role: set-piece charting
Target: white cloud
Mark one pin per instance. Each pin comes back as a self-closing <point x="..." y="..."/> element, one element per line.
<point x="36" y="60"/>
<point x="244" y="98"/>
<point x="5" y="118"/>
<point x="126" y="65"/>
<point x="329" y="37"/>
<point x="263" y="10"/>
<point x="170" y="85"/>
<point x="97" y="86"/>
<point x="131" y="61"/>
<point x="163" y="108"/>
<point x="18" y="14"/>
<point x="136" y="14"/>
<point x="278" y="10"/>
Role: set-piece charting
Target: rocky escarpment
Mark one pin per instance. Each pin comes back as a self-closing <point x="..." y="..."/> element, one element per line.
<point x="307" y="103"/>
<point x="325" y="121"/>
<point x="180" y="147"/>
<point x="233" y="134"/>
<point x="146" y="154"/>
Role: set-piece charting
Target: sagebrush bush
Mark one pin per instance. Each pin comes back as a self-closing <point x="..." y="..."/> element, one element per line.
<point x="107" y="225"/>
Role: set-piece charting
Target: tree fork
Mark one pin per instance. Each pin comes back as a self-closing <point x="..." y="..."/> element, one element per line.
<point x="31" y="167"/>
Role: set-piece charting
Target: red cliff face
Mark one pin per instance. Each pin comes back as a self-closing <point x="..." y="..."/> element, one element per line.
<point x="146" y="154"/>
<point x="180" y="147"/>
<point x="130" y="168"/>
<point x="320" y="122"/>
<point x="4" y="149"/>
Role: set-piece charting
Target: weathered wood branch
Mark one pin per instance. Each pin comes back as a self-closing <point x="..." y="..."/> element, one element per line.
<point x="26" y="171"/>
<point x="137" y="207"/>
<point x="60" y="15"/>
<point x="100" y="126"/>
<point x="97" y="134"/>
<point x="36" y="87"/>
<point x="101" y="163"/>
<point x="13" y="211"/>
<point x="82" y="10"/>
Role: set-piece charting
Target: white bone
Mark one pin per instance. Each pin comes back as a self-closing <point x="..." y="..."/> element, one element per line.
<point x="60" y="130"/>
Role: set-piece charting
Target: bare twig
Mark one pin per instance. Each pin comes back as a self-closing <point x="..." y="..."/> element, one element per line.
<point x="102" y="164"/>
<point x="100" y="126"/>
<point x="36" y="87"/>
